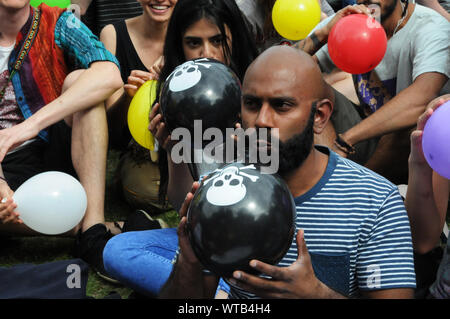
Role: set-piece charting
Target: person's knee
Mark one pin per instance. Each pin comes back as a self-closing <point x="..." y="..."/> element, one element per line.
<point x="71" y="78"/>
<point x="112" y="252"/>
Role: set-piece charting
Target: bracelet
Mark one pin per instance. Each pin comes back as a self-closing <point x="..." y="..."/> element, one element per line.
<point x="315" y="40"/>
<point x="344" y="146"/>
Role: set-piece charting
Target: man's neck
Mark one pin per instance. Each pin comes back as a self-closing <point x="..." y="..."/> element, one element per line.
<point x="11" y="22"/>
<point x="396" y="21"/>
<point x="308" y="174"/>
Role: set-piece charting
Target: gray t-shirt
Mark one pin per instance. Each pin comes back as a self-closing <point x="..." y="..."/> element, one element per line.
<point x="421" y="46"/>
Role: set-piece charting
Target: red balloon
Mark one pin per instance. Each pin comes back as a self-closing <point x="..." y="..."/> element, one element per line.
<point x="357" y="43"/>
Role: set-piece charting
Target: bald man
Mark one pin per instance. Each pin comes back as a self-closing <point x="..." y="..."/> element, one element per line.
<point x="353" y="236"/>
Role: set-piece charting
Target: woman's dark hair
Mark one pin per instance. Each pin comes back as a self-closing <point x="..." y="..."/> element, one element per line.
<point x="222" y="13"/>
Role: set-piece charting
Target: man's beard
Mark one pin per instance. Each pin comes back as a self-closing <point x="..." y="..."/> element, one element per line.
<point x="295" y="150"/>
<point x="388" y="11"/>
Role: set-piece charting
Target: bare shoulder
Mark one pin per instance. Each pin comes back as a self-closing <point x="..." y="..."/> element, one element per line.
<point x="108" y="38"/>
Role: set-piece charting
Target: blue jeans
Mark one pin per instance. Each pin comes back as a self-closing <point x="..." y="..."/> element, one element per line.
<point x="142" y="260"/>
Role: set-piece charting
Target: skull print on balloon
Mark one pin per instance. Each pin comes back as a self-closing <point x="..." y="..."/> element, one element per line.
<point x="228" y="186"/>
<point x="186" y="75"/>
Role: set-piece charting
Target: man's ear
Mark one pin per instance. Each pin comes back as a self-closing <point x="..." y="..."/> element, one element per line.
<point x="324" y="108"/>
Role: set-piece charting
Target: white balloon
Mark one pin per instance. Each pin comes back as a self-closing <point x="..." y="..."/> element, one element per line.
<point x="51" y="203"/>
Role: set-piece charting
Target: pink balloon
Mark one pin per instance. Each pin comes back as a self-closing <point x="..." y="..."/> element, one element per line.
<point x="436" y="140"/>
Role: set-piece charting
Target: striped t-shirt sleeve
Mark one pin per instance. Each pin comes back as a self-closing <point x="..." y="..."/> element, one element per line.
<point x="386" y="261"/>
<point x="75" y="38"/>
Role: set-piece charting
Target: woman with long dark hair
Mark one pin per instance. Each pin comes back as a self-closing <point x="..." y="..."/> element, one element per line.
<point x="197" y="29"/>
<point x="205" y="29"/>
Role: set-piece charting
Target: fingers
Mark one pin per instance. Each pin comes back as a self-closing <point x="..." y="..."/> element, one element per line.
<point x="154" y="123"/>
<point x="135" y="81"/>
<point x="7" y="213"/>
<point x="270" y="270"/>
<point x="355" y="9"/>
<point x="434" y="104"/>
<point x="158" y="128"/>
<point x="302" y="250"/>
<point x="130" y="89"/>
<point x="154" y="111"/>
<point x="188" y="199"/>
<point x="142" y="75"/>
<point x="262" y="287"/>
<point x="422" y="120"/>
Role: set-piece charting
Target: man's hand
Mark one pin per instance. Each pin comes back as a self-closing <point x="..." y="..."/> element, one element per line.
<point x="416" y="156"/>
<point x="186" y="279"/>
<point x="296" y="281"/>
<point x="7" y="205"/>
<point x="338" y="151"/>
<point x="159" y="130"/>
<point x="16" y="135"/>
<point x="186" y="252"/>
<point x="354" y="9"/>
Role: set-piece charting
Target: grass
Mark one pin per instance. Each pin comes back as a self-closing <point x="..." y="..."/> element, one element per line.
<point x="43" y="249"/>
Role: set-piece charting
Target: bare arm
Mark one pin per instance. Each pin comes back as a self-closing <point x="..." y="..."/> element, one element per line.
<point x="187" y="279"/>
<point x="92" y="87"/>
<point x="400" y="293"/>
<point x="401" y="112"/>
<point x="435" y="5"/>
<point x="428" y="193"/>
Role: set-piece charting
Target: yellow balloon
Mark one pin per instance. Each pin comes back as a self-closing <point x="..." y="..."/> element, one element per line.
<point x="294" y="19"/>
<point x="138" y="113"/>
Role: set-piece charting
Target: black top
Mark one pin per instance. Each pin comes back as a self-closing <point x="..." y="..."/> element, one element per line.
<point x="103" y="12"/>
<point x="125" y="52"/>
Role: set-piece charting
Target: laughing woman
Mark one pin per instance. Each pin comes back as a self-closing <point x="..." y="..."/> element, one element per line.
<point x="137" y="44"/>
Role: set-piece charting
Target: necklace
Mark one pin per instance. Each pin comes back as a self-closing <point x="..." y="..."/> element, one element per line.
<point x="404" y="15"/>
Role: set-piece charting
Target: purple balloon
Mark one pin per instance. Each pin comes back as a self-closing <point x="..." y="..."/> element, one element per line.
<point x="436" y="140"/>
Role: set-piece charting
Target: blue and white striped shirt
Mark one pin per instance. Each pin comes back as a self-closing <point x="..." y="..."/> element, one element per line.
<point x="356" y="229"/>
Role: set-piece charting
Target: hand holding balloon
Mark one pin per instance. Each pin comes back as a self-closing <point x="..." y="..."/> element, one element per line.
<point x="296" y="281"/>
<point x="51" y="203"/>
<point x="8" y="213"/>
<point x="7" y="205"/>
<point x="159" y="129"/>
<point x="356" y="9"/>
<point x="239" y="214"/>
<point x="186" y="252"/>
<point x="430" y="140"/>
<point x="136" y="79"/>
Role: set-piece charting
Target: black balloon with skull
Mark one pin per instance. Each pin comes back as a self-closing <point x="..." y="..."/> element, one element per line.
<point x="201" y="89"/>
<point x="239" y="214"/>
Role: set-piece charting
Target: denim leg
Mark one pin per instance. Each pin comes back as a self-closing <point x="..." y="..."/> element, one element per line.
<point x="142" y="260"/>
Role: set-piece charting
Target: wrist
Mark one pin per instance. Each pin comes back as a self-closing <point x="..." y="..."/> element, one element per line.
<point x="325" y="292"/>
<point x="344" y="145"/>
<point x="322" y="34"/>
